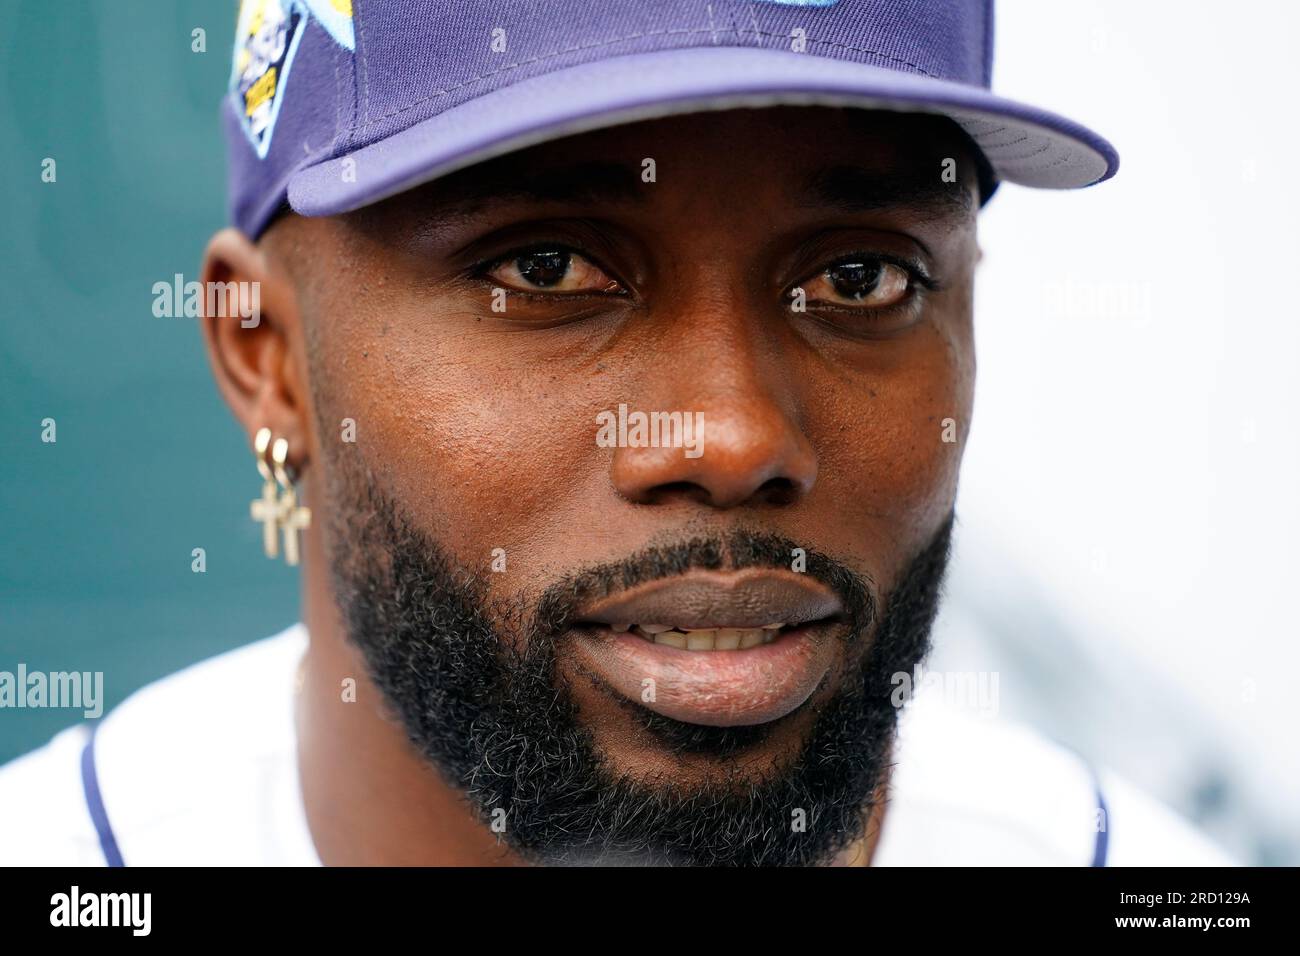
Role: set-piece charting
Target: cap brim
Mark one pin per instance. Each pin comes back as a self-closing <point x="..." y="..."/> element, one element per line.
<point x="1022" y="143"/>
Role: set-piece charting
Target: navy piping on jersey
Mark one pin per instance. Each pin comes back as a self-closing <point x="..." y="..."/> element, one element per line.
<point x="95" y="804"/>
<point x="1103" y="835"/>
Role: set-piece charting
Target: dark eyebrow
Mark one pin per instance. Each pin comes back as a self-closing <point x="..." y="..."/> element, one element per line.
<point x="854" y="189"/>
<point x="592" y="182"/>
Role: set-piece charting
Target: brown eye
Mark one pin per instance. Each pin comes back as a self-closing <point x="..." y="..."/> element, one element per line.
<point x="860" y="281"/>
<point x="551" y="269"/>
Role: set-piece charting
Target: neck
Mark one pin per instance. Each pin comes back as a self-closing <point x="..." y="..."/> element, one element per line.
<point x="369" y="797"/>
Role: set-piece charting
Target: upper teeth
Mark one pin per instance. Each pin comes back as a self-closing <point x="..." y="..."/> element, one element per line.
<point x="707" y="639"/>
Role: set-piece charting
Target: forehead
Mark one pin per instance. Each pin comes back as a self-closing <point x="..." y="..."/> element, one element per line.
<point x="843" y="159"/>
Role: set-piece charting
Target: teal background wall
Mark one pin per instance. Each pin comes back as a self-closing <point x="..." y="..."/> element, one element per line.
<point x="97" y="529"/>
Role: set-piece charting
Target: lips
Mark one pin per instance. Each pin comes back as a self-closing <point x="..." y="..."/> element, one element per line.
<point x="714" y="648"/>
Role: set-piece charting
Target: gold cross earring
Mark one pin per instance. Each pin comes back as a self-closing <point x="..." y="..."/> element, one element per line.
<point x="277" y="509"/>
<point x="266" y="509"/>
<point x="293" y="516"/>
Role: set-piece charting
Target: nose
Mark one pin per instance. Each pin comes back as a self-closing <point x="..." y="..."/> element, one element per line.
<point x="749" y="446"/>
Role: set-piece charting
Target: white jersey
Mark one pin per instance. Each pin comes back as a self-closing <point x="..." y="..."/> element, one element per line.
<point x="200" y="768"/>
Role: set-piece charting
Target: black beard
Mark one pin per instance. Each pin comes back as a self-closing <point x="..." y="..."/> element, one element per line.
<point x="496" y="719"/>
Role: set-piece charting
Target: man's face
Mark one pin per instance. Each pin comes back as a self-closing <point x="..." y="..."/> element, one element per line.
<point x="797" y="285"/>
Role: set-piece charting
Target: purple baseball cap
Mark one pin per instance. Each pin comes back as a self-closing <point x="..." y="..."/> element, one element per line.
<point x="335" y="104"/>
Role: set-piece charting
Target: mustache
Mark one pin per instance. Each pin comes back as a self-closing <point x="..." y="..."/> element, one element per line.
<point x="557" y="608"/>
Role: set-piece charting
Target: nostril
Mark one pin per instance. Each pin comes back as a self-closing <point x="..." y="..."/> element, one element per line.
<point x="778" y="491"/>
<point x="681" y="490"/>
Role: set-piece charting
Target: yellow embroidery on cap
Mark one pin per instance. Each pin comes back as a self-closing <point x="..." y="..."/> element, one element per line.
<point x="260" y="92"/>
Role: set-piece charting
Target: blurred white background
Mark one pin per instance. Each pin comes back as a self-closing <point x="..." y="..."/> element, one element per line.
<point x="1127" y="555"/>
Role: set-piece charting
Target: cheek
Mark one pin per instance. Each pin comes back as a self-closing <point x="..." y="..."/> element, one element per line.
<point x="479" y="446"/>
<point x="894" y="440"/>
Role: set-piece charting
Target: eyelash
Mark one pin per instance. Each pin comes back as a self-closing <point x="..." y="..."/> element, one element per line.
<point x="869" y="318"/>
<point x="481" y="269"/>
<point x="915" y="271"/>
<point x="916" y="274"/>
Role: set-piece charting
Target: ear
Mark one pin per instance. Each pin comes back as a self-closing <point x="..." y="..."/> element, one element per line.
<point x="251" y="325"/>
